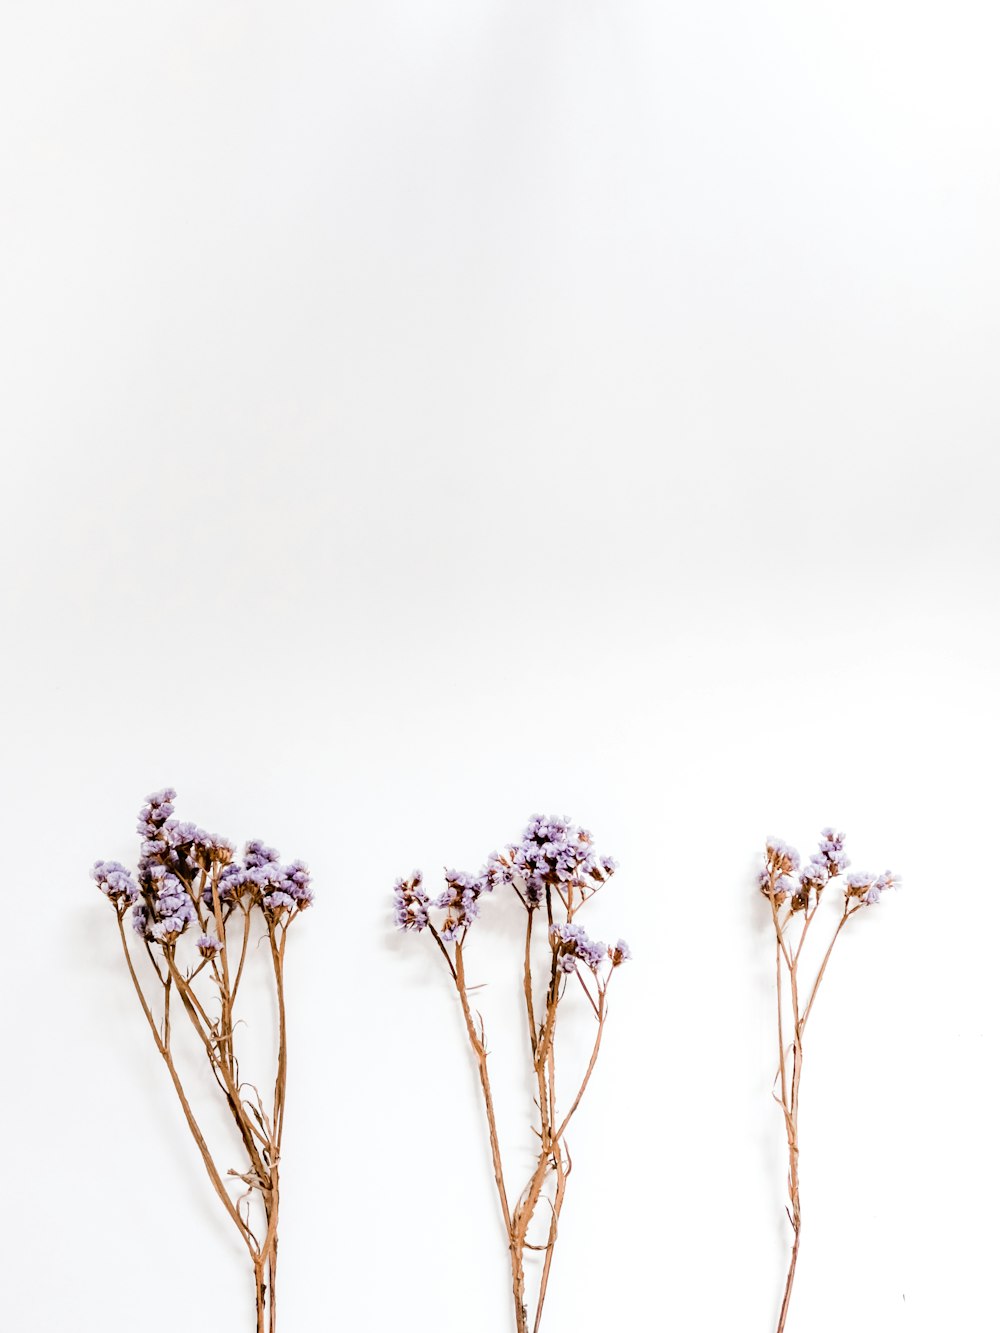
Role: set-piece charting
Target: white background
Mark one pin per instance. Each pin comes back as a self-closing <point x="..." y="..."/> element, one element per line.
<point x="416" y="415"/>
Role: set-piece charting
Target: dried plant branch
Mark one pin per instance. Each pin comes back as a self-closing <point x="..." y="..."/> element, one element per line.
<point x="188" y="878"/>
<point x="785" y="885"/>
<point x="553" y="868"/>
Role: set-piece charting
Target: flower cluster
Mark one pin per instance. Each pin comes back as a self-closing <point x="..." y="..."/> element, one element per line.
<point x="184" y="873"/>
<point x="116" y="881"/>
<point x="782" y="879"/>
<point x="410" y="903"/>
<point x="553" y="857"/>
<point x="571" y="942"/>
<point x="869" y="888"/>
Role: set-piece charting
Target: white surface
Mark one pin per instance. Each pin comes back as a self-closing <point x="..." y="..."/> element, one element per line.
<point x="417" y="415"/>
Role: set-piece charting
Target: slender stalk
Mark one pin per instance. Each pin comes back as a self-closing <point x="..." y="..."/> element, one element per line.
<point x="195" y="1129"/>
<point x="484" y="1082"/>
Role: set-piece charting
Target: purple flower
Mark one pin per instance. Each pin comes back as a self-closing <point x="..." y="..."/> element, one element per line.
<point x="878" y="886"/>
<point x="115" y="881"/>
<point x="781" y="857"/>
<point x="228" y="887"/>
<point x="208" y="946"/>
<point x="296" y="883"/>
<point x="779" y="886"/>
<point x="621" y="953"/>
<point x="257" y="854"/>
<point x="460" y="900"/>
<point x="571" y="940"/>
<point x="555" y="856"/>
<point x="815" y="873"/>
<point x="831" y="852"/>
<point x="278" y="902"/>
<point x="410" y="905"/>
<point x="157" y="810"/>
<point x="180" y="861"/>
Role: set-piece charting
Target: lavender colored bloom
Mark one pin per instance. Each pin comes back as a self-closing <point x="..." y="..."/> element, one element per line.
<point x="257" y="854"/>
<point x="460" y="900"/>
<point x="781" y="856"/>
<point x="887" y="880"/>
<point x="265" y="878"/>
<point x="115" y="881"/>
<point x="228" y="887"/>
<point x="831" y="852"/>
<point x="815" y="874"/>
<point x="621" y="953"/>
<point x="180" y="861"/>
<point x="410" y="905"/>
<point x="783" y="885"/>
<point x="571" y="939"/>
<point x="555" y="856"/>
<point x="296" y="884"/>
<point x="554" y="859"/>
<point x="278" y="901"/>
<point x="157" y="810"/>
<point x="208" y="946"/>
<point x="169" y="929"/>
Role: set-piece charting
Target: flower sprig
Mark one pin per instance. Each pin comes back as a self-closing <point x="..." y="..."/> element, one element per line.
<point x="553" y="872"/>
<point x="794" y="893"/>
<point x="190" y="881"/>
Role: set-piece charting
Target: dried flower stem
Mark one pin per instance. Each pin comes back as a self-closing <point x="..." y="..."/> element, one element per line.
<point x="798" y="898"/>
<point x="553" y="871"/>
<point x="553" y="1154"/>
<point x="261" y="1134"/>
<point x="187" y="878"/>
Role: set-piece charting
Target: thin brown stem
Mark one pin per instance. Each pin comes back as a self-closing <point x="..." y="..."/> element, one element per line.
<point x="193" y="1126"/>
<point x="484" y="1081"/>
<point x="601" y="1017"/>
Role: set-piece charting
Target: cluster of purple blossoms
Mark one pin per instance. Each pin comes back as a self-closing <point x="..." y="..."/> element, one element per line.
<point x="869" y="888"/>
<point x="275" y="887"/>
<point x="553" y="854"/>
<point x="781" y="877"/>
<point x="781" y="864"/>
<point x="181" y="863"/>
<point x="460" y="900"/>
<point x="173" y="907"/>
<point x="571" y="943"/>
<point x="115" y="880"/>
<point x="410" y="903"/>
<point x="553" y="857"/>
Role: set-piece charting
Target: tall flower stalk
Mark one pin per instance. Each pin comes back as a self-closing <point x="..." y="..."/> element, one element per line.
<point x="794" y="896"/>
<point x="553" y="872"/>
<point x="189" y="884"/>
